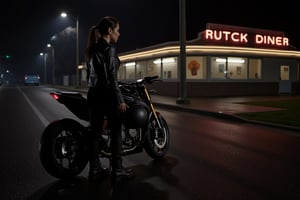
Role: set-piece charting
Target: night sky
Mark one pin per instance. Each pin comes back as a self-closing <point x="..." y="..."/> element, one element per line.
<point x="27" y="26"/>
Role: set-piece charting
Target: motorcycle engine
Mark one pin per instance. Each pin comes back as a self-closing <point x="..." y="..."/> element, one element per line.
<point x="130" y="137"/>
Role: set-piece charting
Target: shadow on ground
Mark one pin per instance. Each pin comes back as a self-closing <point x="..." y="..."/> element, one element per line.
<point x="146" y="185"/>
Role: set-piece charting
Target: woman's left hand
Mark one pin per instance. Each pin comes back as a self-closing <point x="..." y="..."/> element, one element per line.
<point x="123" y="107"/>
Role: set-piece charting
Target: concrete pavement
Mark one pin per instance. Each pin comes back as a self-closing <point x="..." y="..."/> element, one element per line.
<point x="224" y="107"/>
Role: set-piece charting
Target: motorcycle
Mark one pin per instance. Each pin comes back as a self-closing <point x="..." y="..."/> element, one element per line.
<point x="63" y="143"/>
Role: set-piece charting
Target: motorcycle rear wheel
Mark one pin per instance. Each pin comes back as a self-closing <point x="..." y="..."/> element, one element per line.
<point x="63" y="150"/>
<point x="157" y="140"/>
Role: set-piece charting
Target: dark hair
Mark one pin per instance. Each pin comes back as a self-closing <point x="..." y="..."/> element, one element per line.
<point x="92" y="40"/>
<point x="102" y="29"/>
<point x="106" y="23"/>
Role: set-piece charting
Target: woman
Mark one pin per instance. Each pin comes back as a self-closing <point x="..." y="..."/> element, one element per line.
<point x="104" y="96"/>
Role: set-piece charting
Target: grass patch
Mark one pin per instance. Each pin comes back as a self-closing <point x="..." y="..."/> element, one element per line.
<point x="290" y="116"/>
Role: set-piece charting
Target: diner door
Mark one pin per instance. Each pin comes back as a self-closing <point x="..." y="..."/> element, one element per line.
<point x="285" y="85"/>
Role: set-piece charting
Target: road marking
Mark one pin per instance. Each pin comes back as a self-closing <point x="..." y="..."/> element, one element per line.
<point x="37" y="112"/>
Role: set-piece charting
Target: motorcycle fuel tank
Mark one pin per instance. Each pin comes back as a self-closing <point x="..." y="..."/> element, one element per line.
<point x="135" y="116"/>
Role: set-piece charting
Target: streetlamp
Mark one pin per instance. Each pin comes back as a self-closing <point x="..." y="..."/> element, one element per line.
<point x="64" y="14"/>
<point x="53" y="63"/>
<point x="45" y="66"/>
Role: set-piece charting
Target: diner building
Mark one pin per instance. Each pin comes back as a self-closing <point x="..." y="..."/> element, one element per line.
<point x="223" y="60"/>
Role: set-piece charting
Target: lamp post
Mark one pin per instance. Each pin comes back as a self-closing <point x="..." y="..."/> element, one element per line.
<point x="182" y="63"/>
<point x="64" y="14"/>
<point x="53" y="63"/>
<point x="45" y="66"/>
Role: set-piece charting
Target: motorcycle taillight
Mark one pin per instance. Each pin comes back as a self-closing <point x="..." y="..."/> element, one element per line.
<point x="54" y="95"/>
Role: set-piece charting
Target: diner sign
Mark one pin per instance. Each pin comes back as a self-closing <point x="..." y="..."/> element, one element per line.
<point x="244" y="36"/>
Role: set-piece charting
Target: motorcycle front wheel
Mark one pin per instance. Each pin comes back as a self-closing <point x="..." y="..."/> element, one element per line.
<point x="63" y="149"/>
<point x="157" y="139"/>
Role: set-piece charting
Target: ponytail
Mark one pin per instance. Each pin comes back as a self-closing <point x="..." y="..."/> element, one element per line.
<point x="92" y="40"/>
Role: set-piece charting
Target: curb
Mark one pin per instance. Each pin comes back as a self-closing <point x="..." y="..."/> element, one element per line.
<point x="224" y="116"/>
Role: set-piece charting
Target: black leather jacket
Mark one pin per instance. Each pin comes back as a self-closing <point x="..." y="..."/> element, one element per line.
<point x="106" y="80"/>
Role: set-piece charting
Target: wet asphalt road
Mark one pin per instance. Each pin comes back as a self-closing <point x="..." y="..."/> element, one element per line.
<point x="209" y="158"/>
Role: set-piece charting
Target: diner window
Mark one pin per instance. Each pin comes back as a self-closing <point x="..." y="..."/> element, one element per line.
<point x="196" y="67"/>
<point x="237" y="68"/>
<point x="229" y="68"/>
<point x="254" y="68"/>
<point x="130" y="70"/>
<point x="218" y="68"/>
<point x="121" y="72"/>
<point x="169" y="67"/>
<point x="141" y="69"/>
<point x="154" y="68"/>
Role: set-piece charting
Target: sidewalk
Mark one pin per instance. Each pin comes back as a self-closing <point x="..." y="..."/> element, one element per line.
<point x="223" y="107"/>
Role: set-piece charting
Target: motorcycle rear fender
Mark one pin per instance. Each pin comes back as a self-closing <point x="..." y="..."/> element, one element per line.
<point x="75" y="102"/>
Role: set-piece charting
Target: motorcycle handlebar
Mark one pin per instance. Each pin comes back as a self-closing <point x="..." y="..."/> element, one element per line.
<point x="146" y="79"/>
<point x="151" y="79"/>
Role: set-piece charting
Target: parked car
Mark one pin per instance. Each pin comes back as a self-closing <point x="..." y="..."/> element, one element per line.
<point x="31" y="80"/>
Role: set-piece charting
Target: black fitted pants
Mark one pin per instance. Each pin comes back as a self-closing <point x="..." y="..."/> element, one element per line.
<point x="101" y="106"/>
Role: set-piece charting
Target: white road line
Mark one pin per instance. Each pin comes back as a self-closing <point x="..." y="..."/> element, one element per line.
<point x="37" y="112"/>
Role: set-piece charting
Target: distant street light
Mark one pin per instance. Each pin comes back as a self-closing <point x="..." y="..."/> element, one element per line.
<point x="45" y="66"/>
<point x="64" y="14"/>
<point x="53" y="64"/>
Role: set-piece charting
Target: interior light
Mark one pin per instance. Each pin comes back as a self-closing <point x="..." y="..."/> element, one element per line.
<point x="164" y="60"/>
<point x="80" y="66"/>
<point x="221" y="60"/>
<point x="230" y="60"/>
<point x="129" y="64"/>
<point x="157" y="61"/>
